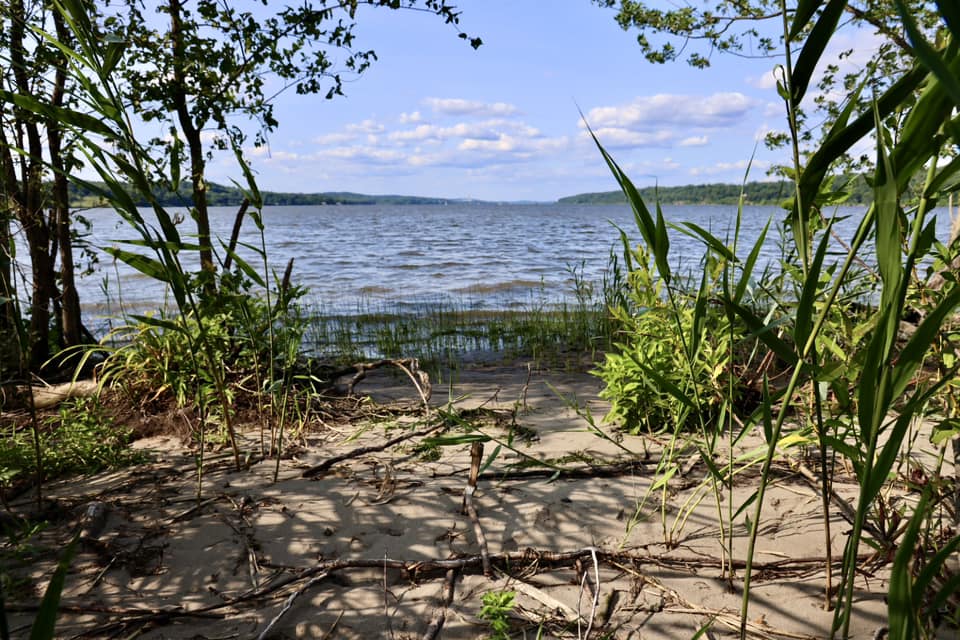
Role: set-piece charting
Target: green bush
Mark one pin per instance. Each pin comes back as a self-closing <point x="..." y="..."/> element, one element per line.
<point x="657" y="378"/>
<point x="253" y="339"/>
<point x="81" y="438"/>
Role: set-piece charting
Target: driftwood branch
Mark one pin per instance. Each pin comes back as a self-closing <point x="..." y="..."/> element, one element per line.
<point x="289" y="604"/>
<point x="46" y="396"/>
<point x="440" y="615"/>
<point x="323" y="467"/>
<point x="423" y="569"/>
<point x="410" y="366"/>
<point x="476" y="458"/>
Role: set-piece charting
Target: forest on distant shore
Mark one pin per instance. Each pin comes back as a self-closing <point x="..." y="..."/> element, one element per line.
<point x="756" y="193"/>
<point x="219" y="195"/>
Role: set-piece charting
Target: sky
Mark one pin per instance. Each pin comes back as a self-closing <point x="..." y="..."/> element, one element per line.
<point x="434" y="117"/>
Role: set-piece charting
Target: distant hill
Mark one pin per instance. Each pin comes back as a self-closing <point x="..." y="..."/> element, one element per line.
<point x="219" y="195"/>
<point x="757" y="193"/>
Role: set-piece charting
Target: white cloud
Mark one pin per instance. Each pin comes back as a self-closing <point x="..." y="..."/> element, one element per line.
<point x="694" y="141"/>
<point x="364" y="154"/>
<point x="367" y="126"/>
<point x="334" y="138"/>
<point x="485" y="130"/>
<point x="652" y="112"/>
<point x="728" y="168"/>
<point x="511" y="144"/>
<point x="619" y="138"/>
<point x="459" y="107"/>
<point x="410" y="118"/>
<point x="766" y="81"/>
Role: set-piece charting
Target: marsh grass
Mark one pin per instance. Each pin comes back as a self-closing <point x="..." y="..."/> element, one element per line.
<point x="447" y="334"/>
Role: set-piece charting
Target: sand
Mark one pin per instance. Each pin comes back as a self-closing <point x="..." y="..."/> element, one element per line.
<point x="354" y="552"/>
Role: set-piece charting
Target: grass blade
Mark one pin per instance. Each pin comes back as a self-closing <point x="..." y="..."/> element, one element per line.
<point x="44" y="626"/>
<point x="814" y="47"/>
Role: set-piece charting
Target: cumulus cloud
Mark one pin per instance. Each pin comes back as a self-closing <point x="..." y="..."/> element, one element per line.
<point x="364" y="154"/>
<point x="512" y="144"/>
<point x="460" y="107"/>
<point x="694" y="141"/>
<point x="720" y="168"/>
<point x="334" y="138"/>
<point x="619" y="138"/>
<point x="483" y="130"/>
<point x="766" y="81"/>
<point x="653" y="112"/>
<point x="410" y="118"/>
<point x="367" y="126"/>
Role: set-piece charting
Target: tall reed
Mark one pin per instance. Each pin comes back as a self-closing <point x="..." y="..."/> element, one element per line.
<point x="858" y="382"/>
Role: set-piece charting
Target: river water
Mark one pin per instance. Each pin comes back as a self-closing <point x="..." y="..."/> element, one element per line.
<point x="477" y="256"/>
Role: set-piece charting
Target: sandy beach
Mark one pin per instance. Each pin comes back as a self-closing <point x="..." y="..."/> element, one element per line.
<point x="379" y="545"/>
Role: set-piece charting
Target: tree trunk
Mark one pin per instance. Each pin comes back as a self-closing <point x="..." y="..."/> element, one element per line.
<point x="194" y="145"/>
<point x="70" y="322"/>
<point x="10" y="343"/>
<point x="30" y="207"/>
<point x="9" y="340"/>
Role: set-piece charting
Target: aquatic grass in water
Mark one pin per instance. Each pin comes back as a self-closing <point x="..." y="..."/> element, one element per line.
<point x="445" y="335"/>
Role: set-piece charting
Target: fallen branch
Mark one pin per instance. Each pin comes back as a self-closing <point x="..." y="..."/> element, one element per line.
<point x="289" y="604"/>
<point x="599" y="471"/>
<point x="440" y="615"/>
<point x="44" y="397"/>
<point x="410" y="366"/>
<point x="476" y="457"/>
<point x="323" y="467"/>
<point x="418" y="570"/>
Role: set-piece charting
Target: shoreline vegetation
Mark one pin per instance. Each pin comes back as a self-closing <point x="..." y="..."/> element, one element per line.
<point x="759" y="450"/>
<point x="766" y="193"/>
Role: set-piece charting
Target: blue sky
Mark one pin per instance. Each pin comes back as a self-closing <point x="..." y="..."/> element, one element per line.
<point x="433" y="117"/>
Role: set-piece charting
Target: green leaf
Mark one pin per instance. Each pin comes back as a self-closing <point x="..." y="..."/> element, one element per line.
<point x="144" y="264"/>
<point x="763" y="331"/>
<point x="746" y="503"/>
<point x="665" y="385"/>
<point x="950" y="12"/>
<point x="697" y="232"/>
<point x="61" y="115"/>
<point x="44" y="626"/>
<point x="161" y="323"/>
<point x="653" y="233"/>
<point x="802" y="15"/>
<point x="935" y="564"/>
<point x="841" y="139"/>
<point x="244" y="266"/>
<point x="851" y="453"/>
<point x="814" y="47"/>
<point x="925" y="52"/>
<point x="450" y="441"/>
<point x="806" y="306"/>
<point x="902" y="606"/>
<point x="113" y="52"/>
<point x="891" y="448"/>
<point x="490" y="459"/>
<point x="766" y="409"/>
<point x="750" y="263"/>
<point x="913" y="353"/>
<point x="946" y="429"/>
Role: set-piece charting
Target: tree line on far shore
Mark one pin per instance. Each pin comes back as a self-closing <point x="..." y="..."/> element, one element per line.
<point x="219" y="195"/>
<point x="754" y="193"/>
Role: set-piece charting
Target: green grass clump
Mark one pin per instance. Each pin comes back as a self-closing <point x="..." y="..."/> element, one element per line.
<point x="81" y="439"/>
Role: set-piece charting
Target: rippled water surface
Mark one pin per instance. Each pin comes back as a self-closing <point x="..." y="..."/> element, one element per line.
<point x="356" y="258"/>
